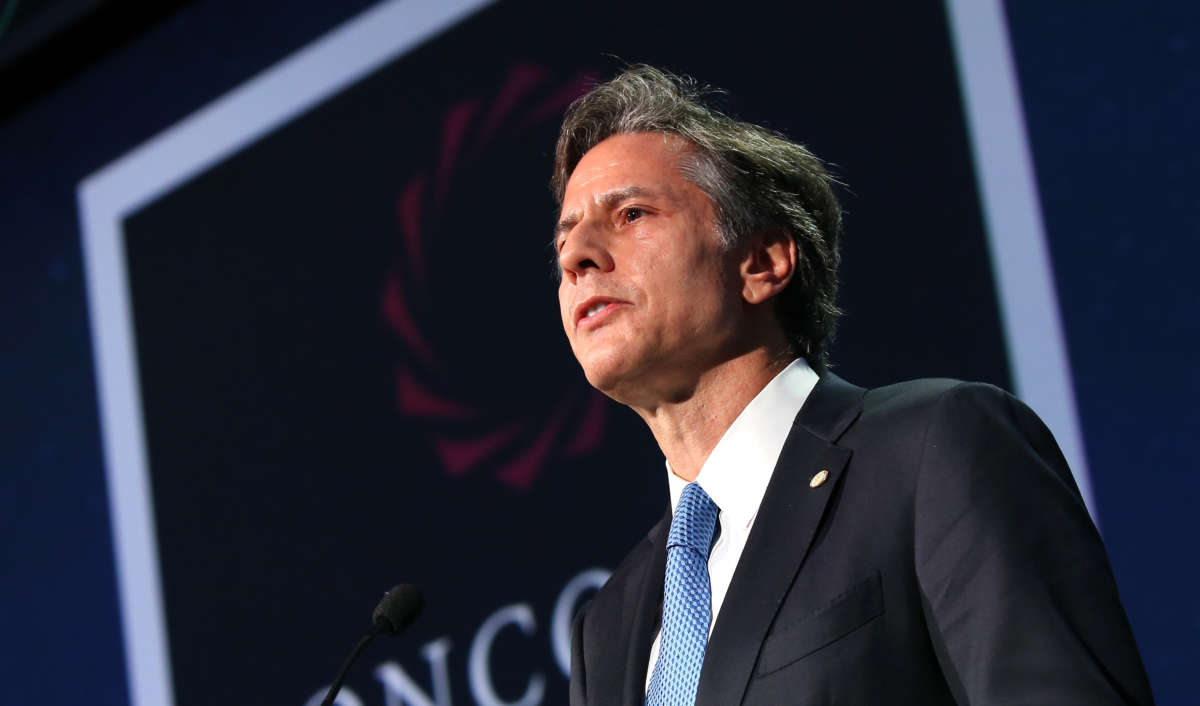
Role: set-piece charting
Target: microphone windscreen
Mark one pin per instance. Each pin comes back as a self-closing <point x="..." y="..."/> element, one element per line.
<point x="398" y="608"/>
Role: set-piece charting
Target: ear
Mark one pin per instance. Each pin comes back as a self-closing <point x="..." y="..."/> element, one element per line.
<point x="767" y="264"/>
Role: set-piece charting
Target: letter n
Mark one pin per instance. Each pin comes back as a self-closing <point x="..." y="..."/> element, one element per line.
<point x="400" y="690"/>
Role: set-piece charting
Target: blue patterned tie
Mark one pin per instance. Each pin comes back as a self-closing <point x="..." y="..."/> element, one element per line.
<point x="687" y="602"/>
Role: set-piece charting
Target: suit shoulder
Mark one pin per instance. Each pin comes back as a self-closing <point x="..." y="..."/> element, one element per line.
<point x="628" y="574"/>
<point x="929" y="395"/>
<point x="907" y="412"/>
<point x="949" y="427"/>
<point x="635" y="558"/>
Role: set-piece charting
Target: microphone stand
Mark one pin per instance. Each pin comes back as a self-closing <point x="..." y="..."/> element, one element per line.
<point x="334" y="688"/>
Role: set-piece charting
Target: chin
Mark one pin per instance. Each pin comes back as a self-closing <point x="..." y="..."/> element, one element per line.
<point x="603" y="373"/>
<point x="617" y="384"/>
<point x="615" y="368"/>
<point x="602" y="380"/>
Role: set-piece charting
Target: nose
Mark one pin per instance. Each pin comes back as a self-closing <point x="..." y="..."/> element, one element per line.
<point x="584" y="250"/>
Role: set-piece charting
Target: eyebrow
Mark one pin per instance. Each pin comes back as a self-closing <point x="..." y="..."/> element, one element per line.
<point x="607" y="201"/>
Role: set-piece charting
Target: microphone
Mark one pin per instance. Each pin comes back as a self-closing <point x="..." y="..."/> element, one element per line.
<point x="398" y="608"/>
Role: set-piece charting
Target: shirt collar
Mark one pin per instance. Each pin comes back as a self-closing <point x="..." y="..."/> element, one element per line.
<point x="737" y="472"/>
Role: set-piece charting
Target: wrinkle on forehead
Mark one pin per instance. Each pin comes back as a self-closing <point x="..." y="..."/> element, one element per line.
<point x="674" y="144"/>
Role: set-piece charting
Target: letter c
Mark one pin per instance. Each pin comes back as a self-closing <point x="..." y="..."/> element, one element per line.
<point x="564" y="612"/>
<point x="478" y="660"/>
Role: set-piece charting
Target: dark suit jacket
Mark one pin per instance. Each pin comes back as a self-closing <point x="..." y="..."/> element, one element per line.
<point x="948" y="558"/>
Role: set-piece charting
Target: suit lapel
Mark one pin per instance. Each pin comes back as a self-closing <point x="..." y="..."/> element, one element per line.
<point x="787" y="521"/>
<point x="647" y="609"/>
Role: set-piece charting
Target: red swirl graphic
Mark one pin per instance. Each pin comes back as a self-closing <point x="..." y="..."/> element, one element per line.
<point x="463" y="430"/>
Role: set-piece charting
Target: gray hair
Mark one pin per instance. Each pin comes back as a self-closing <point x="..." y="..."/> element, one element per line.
<point x="758" y="180"/>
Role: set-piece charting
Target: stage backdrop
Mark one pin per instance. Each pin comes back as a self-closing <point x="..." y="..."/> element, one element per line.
<point x="345" y="366"/>
<point x="327" y="346"/>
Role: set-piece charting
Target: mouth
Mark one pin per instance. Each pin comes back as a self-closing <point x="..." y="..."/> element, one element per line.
<point x="593" y="310"/>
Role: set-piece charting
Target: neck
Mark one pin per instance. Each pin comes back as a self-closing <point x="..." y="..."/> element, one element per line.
<point x="688" y="428"/>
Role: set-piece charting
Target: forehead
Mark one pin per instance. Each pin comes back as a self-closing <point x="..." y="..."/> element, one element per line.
<point x="649" y="160"/>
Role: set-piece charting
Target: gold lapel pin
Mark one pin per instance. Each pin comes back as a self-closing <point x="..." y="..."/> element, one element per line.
<point x="818" y="479"/>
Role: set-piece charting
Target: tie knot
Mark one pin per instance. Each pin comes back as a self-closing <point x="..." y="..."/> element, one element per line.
<point x="694" y="521"/>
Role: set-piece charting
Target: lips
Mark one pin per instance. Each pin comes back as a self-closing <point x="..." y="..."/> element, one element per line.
<point x="591" y="311"/>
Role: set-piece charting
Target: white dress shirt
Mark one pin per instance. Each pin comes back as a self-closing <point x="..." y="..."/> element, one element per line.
<point x="737" y="472"/>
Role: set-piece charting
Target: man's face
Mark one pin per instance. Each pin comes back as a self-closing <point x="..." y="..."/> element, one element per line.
<point x="649" y="297"/>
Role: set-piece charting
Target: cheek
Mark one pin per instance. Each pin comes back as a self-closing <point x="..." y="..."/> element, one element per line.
<point x="563" y="306"/>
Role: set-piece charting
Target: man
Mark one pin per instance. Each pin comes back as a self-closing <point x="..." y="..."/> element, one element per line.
<point x="921" y="543"/>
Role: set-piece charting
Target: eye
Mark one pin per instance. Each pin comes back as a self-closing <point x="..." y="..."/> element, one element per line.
<point x="632" y="213"/>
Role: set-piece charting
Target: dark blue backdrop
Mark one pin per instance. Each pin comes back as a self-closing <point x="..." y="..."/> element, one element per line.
<point x="1111" y="98"/>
